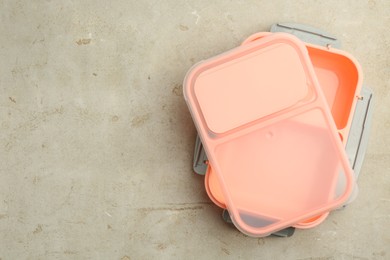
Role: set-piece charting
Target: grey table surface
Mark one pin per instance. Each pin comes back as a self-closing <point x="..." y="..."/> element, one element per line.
<point x="96" y="141"/>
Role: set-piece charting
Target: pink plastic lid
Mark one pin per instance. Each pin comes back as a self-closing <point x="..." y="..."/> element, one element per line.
<point x="269" y="134"/>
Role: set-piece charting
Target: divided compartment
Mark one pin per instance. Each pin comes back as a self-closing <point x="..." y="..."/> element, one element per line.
<point x="302" y="179"/>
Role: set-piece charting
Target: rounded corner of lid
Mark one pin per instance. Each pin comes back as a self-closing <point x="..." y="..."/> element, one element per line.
<point x="190" y="77"/>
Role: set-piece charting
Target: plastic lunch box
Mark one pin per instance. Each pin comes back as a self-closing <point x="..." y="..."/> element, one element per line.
<point x="357" y="139"/>
<point x="252" y="106"/>
<point x="241" y="133"/>
<point x="329" y="85"/>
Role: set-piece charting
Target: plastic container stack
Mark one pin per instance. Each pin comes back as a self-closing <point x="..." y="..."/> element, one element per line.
<point x="283" y="126"/>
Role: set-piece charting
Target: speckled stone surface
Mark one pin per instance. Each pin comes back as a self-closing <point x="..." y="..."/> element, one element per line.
<point x="96" y="141"/>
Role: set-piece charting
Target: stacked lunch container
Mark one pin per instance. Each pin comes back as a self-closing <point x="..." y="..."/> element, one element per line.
<point x="283" y="124"/>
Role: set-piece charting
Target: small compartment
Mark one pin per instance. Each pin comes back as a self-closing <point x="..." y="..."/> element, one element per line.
<point x="237" y="106"/>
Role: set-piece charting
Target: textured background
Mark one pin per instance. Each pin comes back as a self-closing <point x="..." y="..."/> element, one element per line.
<point x="96" y="141"/>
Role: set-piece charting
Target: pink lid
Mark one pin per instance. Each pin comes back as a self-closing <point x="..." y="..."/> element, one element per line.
<point x="269" y="134"/>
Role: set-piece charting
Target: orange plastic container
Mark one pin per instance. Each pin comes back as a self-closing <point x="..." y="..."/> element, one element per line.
<point x="269" y="134"/>
<point x="340" y="79"/>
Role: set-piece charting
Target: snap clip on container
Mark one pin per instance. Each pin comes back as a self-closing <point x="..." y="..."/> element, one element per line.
<point x="269" y="134"/>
